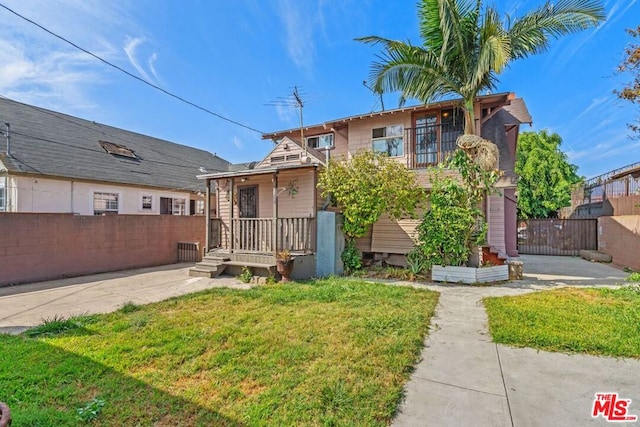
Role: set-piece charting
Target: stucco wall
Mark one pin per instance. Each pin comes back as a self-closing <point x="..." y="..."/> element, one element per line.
<point x="36" y="246"/>
<point x="619" y="236"/>
<point x="60" y="196"/>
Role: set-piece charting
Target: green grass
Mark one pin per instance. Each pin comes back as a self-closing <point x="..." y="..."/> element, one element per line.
<point x="331" y="352"/>
<point x="592" y="321"/>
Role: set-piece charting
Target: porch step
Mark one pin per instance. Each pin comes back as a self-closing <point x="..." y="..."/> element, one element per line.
<point x="210" y="266"/>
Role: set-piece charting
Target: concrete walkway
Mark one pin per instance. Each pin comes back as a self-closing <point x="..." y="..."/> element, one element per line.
<point x="464" y="379"/>
<point x="24" y="306"/>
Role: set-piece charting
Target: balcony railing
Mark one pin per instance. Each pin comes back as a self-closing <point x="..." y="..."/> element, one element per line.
<point x="430" y="145"/>
<point x="258" y="235"/>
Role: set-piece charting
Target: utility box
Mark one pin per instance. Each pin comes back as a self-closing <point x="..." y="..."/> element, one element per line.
<point x="330" y="244"/>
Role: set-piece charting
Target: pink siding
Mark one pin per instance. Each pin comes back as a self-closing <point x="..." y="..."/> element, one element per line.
<point x="619" y="236"/>
<point x="496" y="221"/>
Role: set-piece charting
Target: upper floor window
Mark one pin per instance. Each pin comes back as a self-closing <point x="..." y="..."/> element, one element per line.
<point x="320" y="141"/>
<point x="105" y="203"/>
<point x="388" y="140"/>
<point x="2" y="199"/>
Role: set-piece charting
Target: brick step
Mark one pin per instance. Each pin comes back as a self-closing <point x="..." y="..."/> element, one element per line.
<point x="490" y="255"/>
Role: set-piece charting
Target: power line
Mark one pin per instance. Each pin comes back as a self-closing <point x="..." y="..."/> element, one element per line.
<point x="206" y="110"/>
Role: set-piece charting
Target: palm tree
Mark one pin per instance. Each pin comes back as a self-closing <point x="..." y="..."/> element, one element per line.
<point x="465" y="46"/>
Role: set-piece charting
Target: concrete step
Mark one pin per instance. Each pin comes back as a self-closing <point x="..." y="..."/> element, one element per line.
<point x="205" y="265"/>
<point x="196" y="272"/>
<point x="204" y="269"/>
<point x="595" y="256"/>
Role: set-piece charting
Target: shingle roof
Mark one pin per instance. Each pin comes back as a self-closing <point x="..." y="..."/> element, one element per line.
<point x="518" y="112"/>
<point x="54" y="144"/>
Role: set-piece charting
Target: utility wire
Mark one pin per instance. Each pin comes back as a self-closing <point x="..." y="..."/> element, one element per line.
<point x="206" y="110"/>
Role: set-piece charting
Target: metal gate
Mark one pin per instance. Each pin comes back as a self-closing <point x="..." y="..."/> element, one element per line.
<point x="557" y="236"/>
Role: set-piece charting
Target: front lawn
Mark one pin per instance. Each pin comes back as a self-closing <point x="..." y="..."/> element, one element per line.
<point x="595" y="321"/>
<point x="331" y="352"/>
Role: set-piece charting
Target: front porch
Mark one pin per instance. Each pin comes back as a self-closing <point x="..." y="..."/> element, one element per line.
<point x="254" y="242"/>
<point x="262" y="236"/>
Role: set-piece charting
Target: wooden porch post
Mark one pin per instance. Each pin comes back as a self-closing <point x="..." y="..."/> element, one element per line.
<point x="231" y="202"/>
<point x="274" y="226"/>
<point x="208" y="216"/>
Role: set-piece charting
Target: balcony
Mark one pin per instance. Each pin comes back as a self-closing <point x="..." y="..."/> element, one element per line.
<point x="432" y="144"/>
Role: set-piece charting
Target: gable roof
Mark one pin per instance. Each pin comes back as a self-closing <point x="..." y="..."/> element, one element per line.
<point x="287" y="154"/>
<point x="493" y="100"/>
<point x="290" y="151"/>
<point x="49" y="143"/>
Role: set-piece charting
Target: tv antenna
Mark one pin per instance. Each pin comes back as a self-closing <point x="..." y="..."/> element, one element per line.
<point x="364" y="83"/>
<point x="294" y="101"/>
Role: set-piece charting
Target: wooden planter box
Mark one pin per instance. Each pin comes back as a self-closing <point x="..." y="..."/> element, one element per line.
<point x="469" y="274"/>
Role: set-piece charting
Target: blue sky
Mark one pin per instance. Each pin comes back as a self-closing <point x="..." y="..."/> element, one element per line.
<point x="235" y="58"/>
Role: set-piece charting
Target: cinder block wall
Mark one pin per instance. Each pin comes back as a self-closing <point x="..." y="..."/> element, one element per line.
<point x="36" y="246"/>
<point x="619" y="236"/>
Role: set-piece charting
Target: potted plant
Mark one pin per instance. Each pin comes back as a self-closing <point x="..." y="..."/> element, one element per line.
<point x="284" y="264"/>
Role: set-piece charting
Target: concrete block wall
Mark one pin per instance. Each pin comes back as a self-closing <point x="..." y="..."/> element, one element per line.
<point x="619" y="236"/>
<point x="40" y="246"/>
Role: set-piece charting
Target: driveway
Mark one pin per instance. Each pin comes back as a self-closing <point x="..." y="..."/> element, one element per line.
<point x="27" y="305"/>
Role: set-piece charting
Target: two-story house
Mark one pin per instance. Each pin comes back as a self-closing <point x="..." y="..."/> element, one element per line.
<point x="273" y="205"/>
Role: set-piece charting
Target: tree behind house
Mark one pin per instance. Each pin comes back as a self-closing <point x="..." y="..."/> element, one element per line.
<point x="546" y="177"/>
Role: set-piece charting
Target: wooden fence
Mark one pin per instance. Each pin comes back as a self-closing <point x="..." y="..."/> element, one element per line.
<point x="557" y="236"/>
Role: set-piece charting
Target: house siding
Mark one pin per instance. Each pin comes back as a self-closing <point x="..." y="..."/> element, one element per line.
<point x="496" y="221"/>
<point x="394" y="236"/>
<point x="45" y="195"/>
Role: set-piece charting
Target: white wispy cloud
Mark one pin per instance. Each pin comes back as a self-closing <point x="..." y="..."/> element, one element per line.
<point x="37" y="68"/>
<point x="298" y="32"/>
<point x="131" y="48"/>
<point x="286" y="114"/>
<point x="237" y="142"/>
<point x="595" y="105"/>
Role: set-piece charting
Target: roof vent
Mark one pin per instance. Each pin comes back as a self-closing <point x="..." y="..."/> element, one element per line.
<point x="117" y="149"/>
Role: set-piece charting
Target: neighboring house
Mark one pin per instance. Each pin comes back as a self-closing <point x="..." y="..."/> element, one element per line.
<point x="53" y="162"/>
<point x="273" y="205"/>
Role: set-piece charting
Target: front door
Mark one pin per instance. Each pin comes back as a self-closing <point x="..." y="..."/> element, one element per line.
<point x="248" y="201"/>
<point x="248" y="207"/>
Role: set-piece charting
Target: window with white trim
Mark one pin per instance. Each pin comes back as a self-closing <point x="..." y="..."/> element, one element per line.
<point x="320" y="141"/>
<point x="2" y="199"/>
<point x="147" y="203"/>
<point x="105" y="203"/>
<point x="388" y="140"/>
<point x="179" y="207"/>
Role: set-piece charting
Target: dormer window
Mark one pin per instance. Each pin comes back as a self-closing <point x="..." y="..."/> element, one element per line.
<point x="118" y="150"/>
<point x="320" y="141"/>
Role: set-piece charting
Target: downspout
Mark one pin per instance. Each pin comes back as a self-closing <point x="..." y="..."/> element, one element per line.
<point x="231" y="223"/>
<point x="71" y="201"/>
<point x="207" y="227"/>
<point x="274" y="227"/>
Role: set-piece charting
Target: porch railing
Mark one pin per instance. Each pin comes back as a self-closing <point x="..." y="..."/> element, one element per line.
<point x="259" y="234"/>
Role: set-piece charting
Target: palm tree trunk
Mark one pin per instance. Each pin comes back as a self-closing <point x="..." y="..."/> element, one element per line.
<point x="469" y="117"/>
